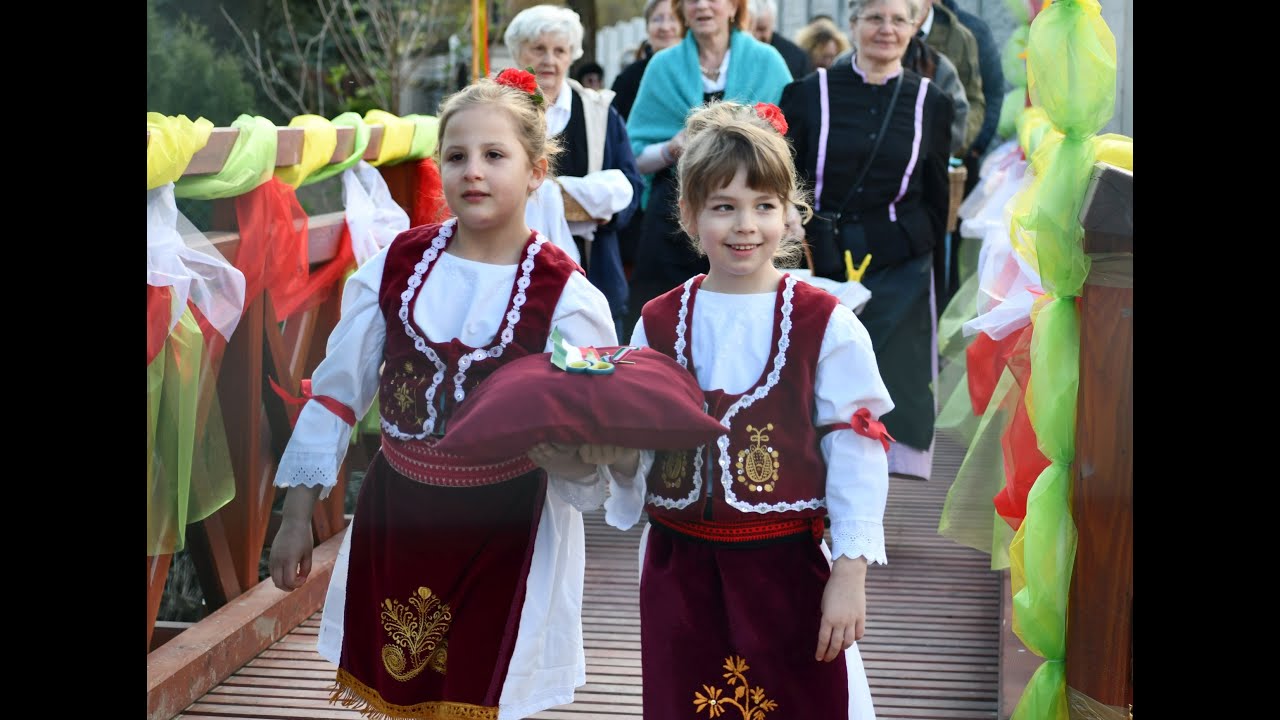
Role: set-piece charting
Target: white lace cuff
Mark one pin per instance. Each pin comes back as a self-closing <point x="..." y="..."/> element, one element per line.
<point x="583" y="495"/>
<point x="858" y="538"/>
<point x="308" y="469"/>
<point x="626" y="494"/>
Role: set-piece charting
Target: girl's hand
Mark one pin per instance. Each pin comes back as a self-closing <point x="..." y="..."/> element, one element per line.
<point x="844" y="608"/>
<point x="675" y="147"/>
<point x="561" y="460"/>
<point x="290" y="559"/>
<point x="623" y="461"/>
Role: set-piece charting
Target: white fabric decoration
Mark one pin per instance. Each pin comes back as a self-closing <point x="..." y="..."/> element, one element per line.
<point x="181" y="257"/>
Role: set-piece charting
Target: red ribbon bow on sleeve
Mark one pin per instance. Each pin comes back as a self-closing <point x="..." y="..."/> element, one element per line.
<point x="863" y="424"/>
<point x="347" y="415"/>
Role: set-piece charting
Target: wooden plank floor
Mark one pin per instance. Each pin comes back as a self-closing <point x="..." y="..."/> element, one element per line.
<point x="931" y="648"/>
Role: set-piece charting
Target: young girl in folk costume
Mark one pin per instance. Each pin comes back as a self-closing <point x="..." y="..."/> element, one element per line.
<point x="457" y="590"/>
<point x="742" y="611"/>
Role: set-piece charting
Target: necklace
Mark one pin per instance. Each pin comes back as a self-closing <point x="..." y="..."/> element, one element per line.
<point x="712" y="74"/>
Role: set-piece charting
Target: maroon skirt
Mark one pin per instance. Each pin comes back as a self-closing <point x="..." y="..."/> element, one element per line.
<point x="435" y="587"/>
<point x="736" y="627"/>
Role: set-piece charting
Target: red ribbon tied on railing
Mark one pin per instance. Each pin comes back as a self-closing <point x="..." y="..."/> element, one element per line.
<point x="347" y="415"/>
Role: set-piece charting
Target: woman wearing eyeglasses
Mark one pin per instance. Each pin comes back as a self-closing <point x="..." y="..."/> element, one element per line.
<point x="885" y="197"/>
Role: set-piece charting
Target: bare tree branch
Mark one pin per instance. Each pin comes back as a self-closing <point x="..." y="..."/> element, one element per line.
<point x="254" y="54"/>
<point x="381" y="43"/>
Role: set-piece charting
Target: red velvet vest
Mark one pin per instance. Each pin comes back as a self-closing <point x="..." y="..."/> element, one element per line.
<point x="770" y="460"/>
<point x="424" y="381"/>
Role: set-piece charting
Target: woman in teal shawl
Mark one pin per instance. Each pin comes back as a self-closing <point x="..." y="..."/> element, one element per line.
<point x="717" y="60"/>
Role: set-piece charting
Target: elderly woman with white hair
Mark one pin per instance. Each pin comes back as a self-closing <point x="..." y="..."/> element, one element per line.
<point x="597" y="170"/>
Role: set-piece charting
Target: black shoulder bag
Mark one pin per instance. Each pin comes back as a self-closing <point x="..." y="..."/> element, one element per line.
<point x="825" y="227"/>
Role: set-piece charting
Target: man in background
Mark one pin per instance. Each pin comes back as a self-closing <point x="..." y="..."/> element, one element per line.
<point x="764" y="17"/>
<point x="943" y="32"/>
<point x="992" y="88"/>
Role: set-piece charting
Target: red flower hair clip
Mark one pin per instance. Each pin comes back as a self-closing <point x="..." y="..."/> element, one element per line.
<point x="523" y="80"/>
<point x="772" y="114"/>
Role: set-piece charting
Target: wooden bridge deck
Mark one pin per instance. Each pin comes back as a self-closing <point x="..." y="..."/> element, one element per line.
<point x="931" y="648"/>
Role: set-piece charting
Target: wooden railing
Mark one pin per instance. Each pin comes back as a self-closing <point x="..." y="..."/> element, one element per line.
<point x="1099" y="660"/>
<point x="227" y="546"/>
<point x="1100" y="606"/>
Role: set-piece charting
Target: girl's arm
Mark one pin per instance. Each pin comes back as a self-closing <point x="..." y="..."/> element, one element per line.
<point x="660" y="155"/>
<point x="310" y="463"/>
<point x="848" y="380"/>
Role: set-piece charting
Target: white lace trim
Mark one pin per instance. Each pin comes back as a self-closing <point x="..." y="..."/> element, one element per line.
<point x="464" y="362"/>
<point x="307" y="469"/>
<point x="859" y="540"/>
<point x="689" y="499"/>
<point x="583" y="496"/>
<point x="681" y="324"/>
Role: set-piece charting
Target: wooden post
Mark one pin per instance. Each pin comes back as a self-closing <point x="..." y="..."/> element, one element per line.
<point x="157" y="574"/>
<point x="1099" y="660"/>
<point x="402" y="181"/>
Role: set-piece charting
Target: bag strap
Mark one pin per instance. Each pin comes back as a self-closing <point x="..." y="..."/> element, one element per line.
<point x="884" y="125"/>
<point x="822" y="137"/>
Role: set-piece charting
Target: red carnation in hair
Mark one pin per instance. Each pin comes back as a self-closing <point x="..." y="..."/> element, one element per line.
<point x="772" y="114"/>
<point x="518" y="79"/>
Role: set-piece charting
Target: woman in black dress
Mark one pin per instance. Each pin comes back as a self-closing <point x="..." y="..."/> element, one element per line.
<point x="894" y="208"/>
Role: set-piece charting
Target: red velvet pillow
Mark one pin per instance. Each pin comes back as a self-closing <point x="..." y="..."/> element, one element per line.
<point x="654" y="404"/>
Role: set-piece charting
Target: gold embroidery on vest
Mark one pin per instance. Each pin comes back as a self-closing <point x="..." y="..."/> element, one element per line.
<point x="751" y="702"/>
<point x="421" y="633"/>
<point x="404" y="396"/>
<point x="673" y="469"/>
<point x="758" y="463"/>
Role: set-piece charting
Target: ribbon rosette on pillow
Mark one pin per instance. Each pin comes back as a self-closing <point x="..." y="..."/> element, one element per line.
<point x="772" y="114"/>
<point x="523" y="80"/>
<point x="575" y="359"/>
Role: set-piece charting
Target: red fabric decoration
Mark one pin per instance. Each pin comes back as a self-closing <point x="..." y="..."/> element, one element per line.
<point x="1023" y="461"/>
<point x="346" y="414"/>
<point x="985" y="360"/>
<point x="772" y="114"/>
<point x="429" y="205"/>
<point x="322" y="281"/>
<point x="654" y="404"/>
<point x="273" y="245"/>
<point x="158" y="314"/>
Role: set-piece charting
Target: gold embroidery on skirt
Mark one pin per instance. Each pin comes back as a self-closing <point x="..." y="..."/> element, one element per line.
<point x="758" y="463"/>
<point x="421" y="633"/>
<point x="351" y="693"/>
<point x="750" y="702"/>
<point x="673" y="468"/>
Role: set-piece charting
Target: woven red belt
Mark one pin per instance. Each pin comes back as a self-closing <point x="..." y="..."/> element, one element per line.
<point x="744" y="532"/>
<point x="419" y="460"/>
